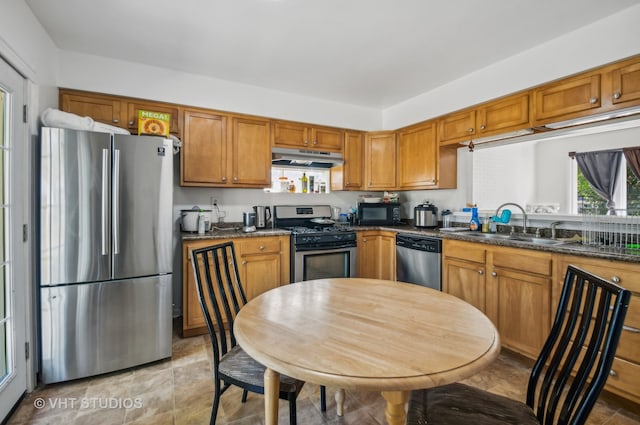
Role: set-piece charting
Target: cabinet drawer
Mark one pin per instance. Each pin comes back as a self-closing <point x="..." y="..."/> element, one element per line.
<point x="467" y="251"/>
<point x="623" y="274"/>
<point x="624" y="379"/>
<point x="521" y="260"/>
<point x="259" y="245"/>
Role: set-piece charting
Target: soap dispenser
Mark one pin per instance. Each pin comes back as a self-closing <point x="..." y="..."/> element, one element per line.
<point x="474" y="224"/>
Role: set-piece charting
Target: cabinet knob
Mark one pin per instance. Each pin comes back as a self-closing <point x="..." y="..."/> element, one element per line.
<point x="131" y="122"/>
<point x="224" y="179"/>
<point x="593" y="100"/>
<point x="494" y="274"/>
<point x="235" y="179"/>
<point x="613" y="373"/>
<point x="615" y="279"/>
<point x="261" y="247"/>
<point x="480" y="272"/>
<point x="306" y="142"/>
<point x="116" y="121"/>
<point x="244" y="262"/>
<point x="617" y="95"/>
<point x="471" y="130"/>
<point x="315" y="142"/>
<point x="482" y="127"/>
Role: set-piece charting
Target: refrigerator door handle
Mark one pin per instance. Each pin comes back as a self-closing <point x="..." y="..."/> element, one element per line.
<point x="105" y="202"/>
<point x="116" y="201"/>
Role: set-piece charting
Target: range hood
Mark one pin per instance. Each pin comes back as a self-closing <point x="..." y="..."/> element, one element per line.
<point x="283" y="157"/>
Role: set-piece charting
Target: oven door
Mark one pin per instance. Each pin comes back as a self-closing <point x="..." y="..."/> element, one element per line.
<point x="324" y="263"/>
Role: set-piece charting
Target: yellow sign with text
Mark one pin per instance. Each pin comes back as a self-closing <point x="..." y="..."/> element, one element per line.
<point x="154" y="123"/>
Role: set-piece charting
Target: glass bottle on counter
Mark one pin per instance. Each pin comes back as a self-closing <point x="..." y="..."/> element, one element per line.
<point x="304" y="180"/>
<point x="292" y="187"/>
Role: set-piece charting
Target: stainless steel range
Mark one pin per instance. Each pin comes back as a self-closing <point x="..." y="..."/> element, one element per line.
<point x="319" y="248"/>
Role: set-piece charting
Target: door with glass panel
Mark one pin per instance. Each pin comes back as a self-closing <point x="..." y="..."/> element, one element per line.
<point x="13" y="277"/>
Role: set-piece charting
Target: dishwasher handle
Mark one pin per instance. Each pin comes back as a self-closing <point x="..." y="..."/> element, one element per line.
<point x="419" y="243"/>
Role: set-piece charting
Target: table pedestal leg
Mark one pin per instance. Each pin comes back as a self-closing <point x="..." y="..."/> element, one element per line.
<point x="395" y="412"/>
<point x="271" y="396"/>
<point x="340" y="401"/>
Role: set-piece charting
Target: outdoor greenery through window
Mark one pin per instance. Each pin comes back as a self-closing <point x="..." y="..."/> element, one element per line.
<point x="589" y="202"/>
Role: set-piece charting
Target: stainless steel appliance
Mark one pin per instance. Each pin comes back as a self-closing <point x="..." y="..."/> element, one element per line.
<point x="418" y="260"/>
<point x="379" y="214"/>
<point x="104" y="252"/>
<point x="319" y="248"/>
<point x="425" y="215"/>
<point x="263" y="215"/>
<point x="287" y="157"/>
<point x="248" y="222"/>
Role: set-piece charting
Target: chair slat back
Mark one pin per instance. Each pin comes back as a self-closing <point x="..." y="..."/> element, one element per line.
<point x="220" y="293"/>
<point x="576" y="359"/>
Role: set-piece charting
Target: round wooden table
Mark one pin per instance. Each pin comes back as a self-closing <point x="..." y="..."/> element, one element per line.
<point x="364" y="334"/>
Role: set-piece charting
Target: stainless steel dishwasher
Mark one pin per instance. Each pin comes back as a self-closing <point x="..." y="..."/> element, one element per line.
<point x="418" y="260"/>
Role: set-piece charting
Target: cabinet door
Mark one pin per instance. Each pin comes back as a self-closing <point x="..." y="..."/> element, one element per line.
<point x="327" y="139"/>
<point x="290" y="135"/>
<point x="367" y="255"/>
<point x="103" y="109"/>
<point x="259" y="273"/>
<point x="418" y="158"/>
<point x="569" y="98"/>
<point x="466" y="281"/>
<point x="134" y="106"/>
<point x="523" y="310"/>
<point x="626" y="85"/>
<point x="387" y="256"/>
<point x="204" y="150"/>
<point x="457" y="127"/>
<point x="504" y="115"/>
<point x="380" y="161"/>
<point x="349" y="175"/>
<point x="251" y="152"/>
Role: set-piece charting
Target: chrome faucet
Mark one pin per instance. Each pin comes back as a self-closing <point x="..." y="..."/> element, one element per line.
<point x="524" y="214"/>
<point x="553" y="228"/>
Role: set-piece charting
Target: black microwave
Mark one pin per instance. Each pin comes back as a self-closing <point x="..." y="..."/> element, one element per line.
<point x="379" y="214"/>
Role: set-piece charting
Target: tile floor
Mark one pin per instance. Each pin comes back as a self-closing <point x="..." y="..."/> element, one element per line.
<point x="180" y="391"/>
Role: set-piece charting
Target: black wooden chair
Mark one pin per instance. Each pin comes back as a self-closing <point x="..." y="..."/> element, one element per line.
<point x="583" y="339"/>
<point x="218" y="280"/>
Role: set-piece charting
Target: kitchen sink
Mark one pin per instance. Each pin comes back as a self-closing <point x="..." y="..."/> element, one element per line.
<point x="520" y="238"/>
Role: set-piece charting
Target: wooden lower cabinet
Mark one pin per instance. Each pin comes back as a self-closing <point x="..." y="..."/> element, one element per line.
<point x="511" y="286"/>
<point x="377" y="254"/>
<point x="624" y="379"/>
<point x="263" y="264"/>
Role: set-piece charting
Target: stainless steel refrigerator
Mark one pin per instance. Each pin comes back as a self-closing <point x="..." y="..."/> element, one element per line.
<point x="104" y="246"/>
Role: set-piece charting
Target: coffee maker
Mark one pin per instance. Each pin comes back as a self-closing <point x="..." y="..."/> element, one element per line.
<point x="263" y="215"/>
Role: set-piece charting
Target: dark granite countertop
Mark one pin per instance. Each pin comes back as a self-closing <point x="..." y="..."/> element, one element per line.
<point x="568" y="249"/>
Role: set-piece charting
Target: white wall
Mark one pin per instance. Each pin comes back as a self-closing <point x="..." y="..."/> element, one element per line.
<point x="605" y="41"/>
<point x="93" y="73"/>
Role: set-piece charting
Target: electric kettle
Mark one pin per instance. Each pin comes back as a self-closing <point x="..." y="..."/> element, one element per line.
<point x="263" y="215"/>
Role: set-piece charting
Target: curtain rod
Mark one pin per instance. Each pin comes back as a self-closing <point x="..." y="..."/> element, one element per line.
<point x="572" y="155"/>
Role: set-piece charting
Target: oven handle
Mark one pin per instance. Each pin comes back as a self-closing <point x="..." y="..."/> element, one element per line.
<point x="331" y="249"/>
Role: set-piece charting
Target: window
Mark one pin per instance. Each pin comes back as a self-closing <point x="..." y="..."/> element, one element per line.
<point x="627" y="195"/>
<point x="289" y="179"/>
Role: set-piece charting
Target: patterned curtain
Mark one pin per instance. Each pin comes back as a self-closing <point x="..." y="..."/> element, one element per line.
<point x="601" y="170"/>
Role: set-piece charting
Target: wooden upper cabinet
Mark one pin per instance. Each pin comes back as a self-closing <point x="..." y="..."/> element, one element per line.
<point x="457" y="127"/>
<point x="625" y="84"/>
<point x="504" y="115"/>
<point x="104" y="109"/>
<point x="250" y="152"/>
<point x="134" y="106"/>
<point x="569" y="98"/>
<point x="349" y="176"/>
<point x="204" y="149"/>
<point x="380" y="156"/>
<point x="300" y="136"/>
<point x="418" y="157"/>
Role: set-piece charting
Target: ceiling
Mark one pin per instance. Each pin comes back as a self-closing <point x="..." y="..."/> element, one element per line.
<point x="371" y="53"/>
